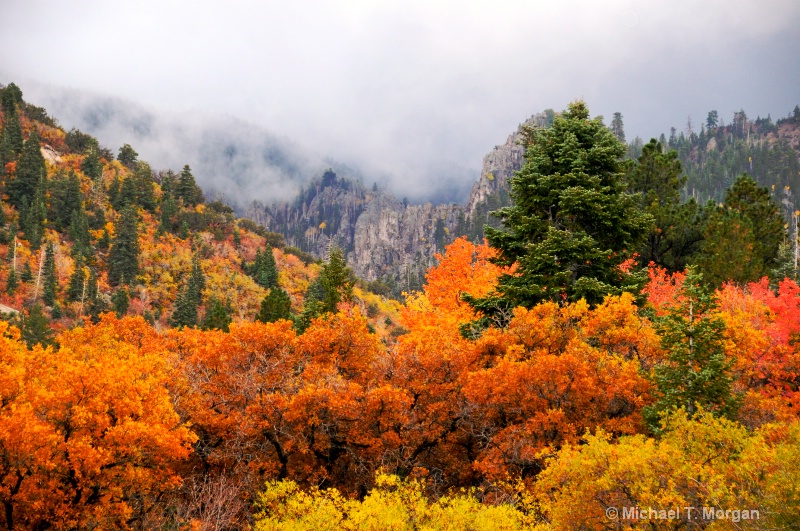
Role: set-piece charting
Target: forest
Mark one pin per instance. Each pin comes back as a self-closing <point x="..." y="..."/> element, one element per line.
<point x="614" y="350"/>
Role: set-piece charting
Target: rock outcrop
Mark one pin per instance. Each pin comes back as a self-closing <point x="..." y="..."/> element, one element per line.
<point x="385" y="238"/>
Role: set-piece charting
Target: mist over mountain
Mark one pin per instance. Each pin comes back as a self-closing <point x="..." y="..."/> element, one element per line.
<point x="231" y="158"/>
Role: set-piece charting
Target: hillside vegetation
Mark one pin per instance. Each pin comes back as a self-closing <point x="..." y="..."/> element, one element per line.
<point x="175" y="368"/>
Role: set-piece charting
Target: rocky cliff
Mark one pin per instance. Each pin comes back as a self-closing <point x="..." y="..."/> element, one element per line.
<point x="385" y="238"/>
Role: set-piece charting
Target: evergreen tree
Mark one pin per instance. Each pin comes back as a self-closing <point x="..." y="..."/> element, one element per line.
<point x="237" y="237"/>
<point x="617" y="127"/>
<point x="337" y="281"/>
<point x="76" y="289"/>
<point x="56" y="312"/>
<point x="35" y="327"/>
<point x="756" y="204"/>
<point x="27" y="274"/>
<point x="127" y="156"/>
<point x="276" y="305"/>
<point x="79" y="233"/>
<point x="95" y="303"/>
<point x="91" y="165"/>
<point x="121" y="301"/>
<point x="31" y="170"/>
<point x="11" y="143"/>
<point x="113" y="193"/>
<point x="696" y="370"/>
<point x="50" y="279"/>
<point x="34" y="216"/>
<point x="143" y="184"/>
<point x="168" y="212"/>
<point x="187" y="189"/>
<point x="712" y="120"/>
<point x="218" y="316"/>
<point x="657" y="179"/>
<point x="127" y="194"/>
<point x="727" y="250"/>
<point x="123" y="258"/>
<point x="12" y="282"/>
<point x="65" y="198"/>
<point x="572" y="223"/>
<point x="185" y="313"/>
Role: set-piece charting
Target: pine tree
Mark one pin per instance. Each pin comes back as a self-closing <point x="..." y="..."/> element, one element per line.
<point x="76" y="289"/>
<point x="31" y="170"/>
<point x="127" y="156"/>
<point x="11" y="143"/>
<point x="657" y="179"/>
<point x="27" y="274"/>
<point x="35" y="327"/>
<point x="65" y="198"/>
<point x="34" y="216"/>
<point x="12" y="282"/>
<point x="696" y="371"/>
<point x="114" y="191"/>
<point x="168" y="212"/>
<point x="185" y="313"/>
<point x="617" y="127"/>
<point x="123" y="258"/>
<point x="143" y="183"/>
<point x="121" y="301"/>
<point x="79" y="233"/>
<point x="187" y="188"/>
<point x="336" y="280"/>
<point x="91" y="165"/>
<point x="572" y="223"/>
<point x="50" y="279"/>
<point x="276" y="305"/>
<point x="218" y="316"/>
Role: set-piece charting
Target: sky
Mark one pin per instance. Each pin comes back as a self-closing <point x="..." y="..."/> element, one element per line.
<point x="410" y="93"/>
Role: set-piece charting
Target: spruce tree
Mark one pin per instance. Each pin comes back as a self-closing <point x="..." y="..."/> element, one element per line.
<point x="123" y="258"/>
<point x="168" y="212"/>
<point x="127" y="156"/>
<point x="31" y="170"/>
<point x="91" y="165"/>
<point x="269" y="270"/>
<point x="218" y="316"/>
<point x="143" y="183"/>
<point x="657" y="178"/>
<point x="121" y="301"/>
<point x="12" y="282"/>
<point x="276" y="305"/>
<point x="571" y="223"/>
<point x="76" y="289"/>
<point x="35" y="327"/>
<point x="696" y="370"/>
<point x="187" y="189"/>
<point x="79" y="233"/>
<point x="34" y="216"/>
<point x="336" y="280"/>
<point x="185" y="313"/>
<point x="65" y="198"/>
<point x="27" y="274"/>
<point x="50" y="279"/>
<point x="11" y="143"/>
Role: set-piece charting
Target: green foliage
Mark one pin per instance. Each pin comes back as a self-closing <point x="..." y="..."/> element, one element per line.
<point x="677" y="233"/>
<point x="27" y="274"/>
<point x="12" y="282"/>
<point x="91" y="164"/>
<point x="128" y="157"/>
<point x="696" y="371"/>
<point x="11" y="144"/>
<point x="336" y="280"/>
<point x="572" y="223"/>
<point x="142" y="183"/>
<point x="77" y="281"/>
<point x="65" y="198"/>
<point x="218" y="315"/>
<point x="264" y="270"/>
<point x="742" y="237"/>
<point x="123" y="258"/>
<point x="190" y="298"/>
<point x="50" y="281"/>
<point x="121" y="300"/>
<point x="33" y="218"/>
<point x="187" y="188"/>
<point x="276" y="305"/>
<point x="31" y="170"/>
<point x="617" y="127"/>
<point x="35" y="327"/>
<point x="78" y="141"/>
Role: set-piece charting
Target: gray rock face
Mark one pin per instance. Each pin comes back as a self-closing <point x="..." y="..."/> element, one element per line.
<point x="383" y="237"/>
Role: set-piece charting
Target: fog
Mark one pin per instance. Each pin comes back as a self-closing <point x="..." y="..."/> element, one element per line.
<point x="412" y="94"/>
